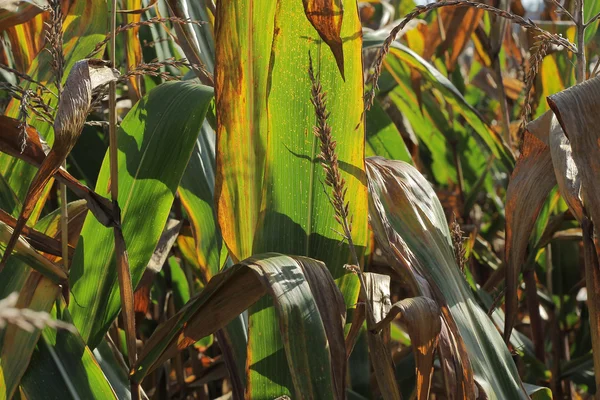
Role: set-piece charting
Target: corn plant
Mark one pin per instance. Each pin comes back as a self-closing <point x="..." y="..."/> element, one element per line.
<point x="316" y="199"/>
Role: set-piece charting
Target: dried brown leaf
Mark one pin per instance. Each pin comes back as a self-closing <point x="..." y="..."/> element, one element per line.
<point x="420" y="316"/>
<point x="529" y="186"/>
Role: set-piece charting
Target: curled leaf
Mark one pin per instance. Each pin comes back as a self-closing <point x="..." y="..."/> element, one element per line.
<point x="565" y="169"/>
<point x="73" y="107"/>
<point x="310" y="311"/>
<point x="577" y="112"/>
<point x="326" y="17"/>
<point x="421" y="317"/>
<point x="378" y="294"/>
<point x="410" y="225"/>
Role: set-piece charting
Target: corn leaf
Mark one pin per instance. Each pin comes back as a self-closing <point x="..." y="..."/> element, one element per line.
<point x="26" y="41"/>
<point x="488" y="140"/>
<point x="36" y="292"/>
<point x="63" y="366"/>
<point x="576" y="109"/>
<point x="14" y="12"/>
<point x="310" y="315"/>
<point x="529" y="186"/>
<point x="266" y="152"/>
<point x="196" y="193"/>
<point x="155" y="142"/>
<point x="383" y="138"/>
<point x="408" y="219"/>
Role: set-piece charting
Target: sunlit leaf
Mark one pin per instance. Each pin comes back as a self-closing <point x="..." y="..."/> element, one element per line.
<point x="155" y="142"/>
<point x="266" y="152"/>
<point x="409" y="222"/>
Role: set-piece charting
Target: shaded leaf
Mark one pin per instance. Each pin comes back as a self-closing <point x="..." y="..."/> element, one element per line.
<point x="196" y="193"/>
<point x="421" y="316"/>
<point x="35" y="154"/>
<point x="378" y="293"/>
<point x="38" y="294"/>
<point x="529" y="186"/>
<point x="65" y="365"/>
<point x="383" y="138"/>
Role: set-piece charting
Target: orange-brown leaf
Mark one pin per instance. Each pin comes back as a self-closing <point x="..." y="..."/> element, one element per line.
<point x="326" y="17"/>
<point x="15" y="12"/>
<point x="529" y="186"/>
<point x="26" y="41"/>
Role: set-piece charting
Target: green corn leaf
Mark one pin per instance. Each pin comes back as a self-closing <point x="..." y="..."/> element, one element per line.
<point x="155" y="141"/>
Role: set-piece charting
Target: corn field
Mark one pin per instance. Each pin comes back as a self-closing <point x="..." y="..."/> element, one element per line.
<point x="299" y="199"/>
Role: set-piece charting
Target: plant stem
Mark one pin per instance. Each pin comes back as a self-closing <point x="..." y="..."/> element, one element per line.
<point x="535" y="318"/>
<point x="592" y="282"/>
<point x="580" y="23"/>
<point x="112" y="109"/>
<point x="123" y="272"/>
<point x="64" y="222"/>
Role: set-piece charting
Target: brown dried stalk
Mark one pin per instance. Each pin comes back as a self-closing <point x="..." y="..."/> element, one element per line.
<point x="151" y="21"/>
<point x="525" y="23"/>
<point x="333" y="178"/>
<point x="54" y="40"/>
